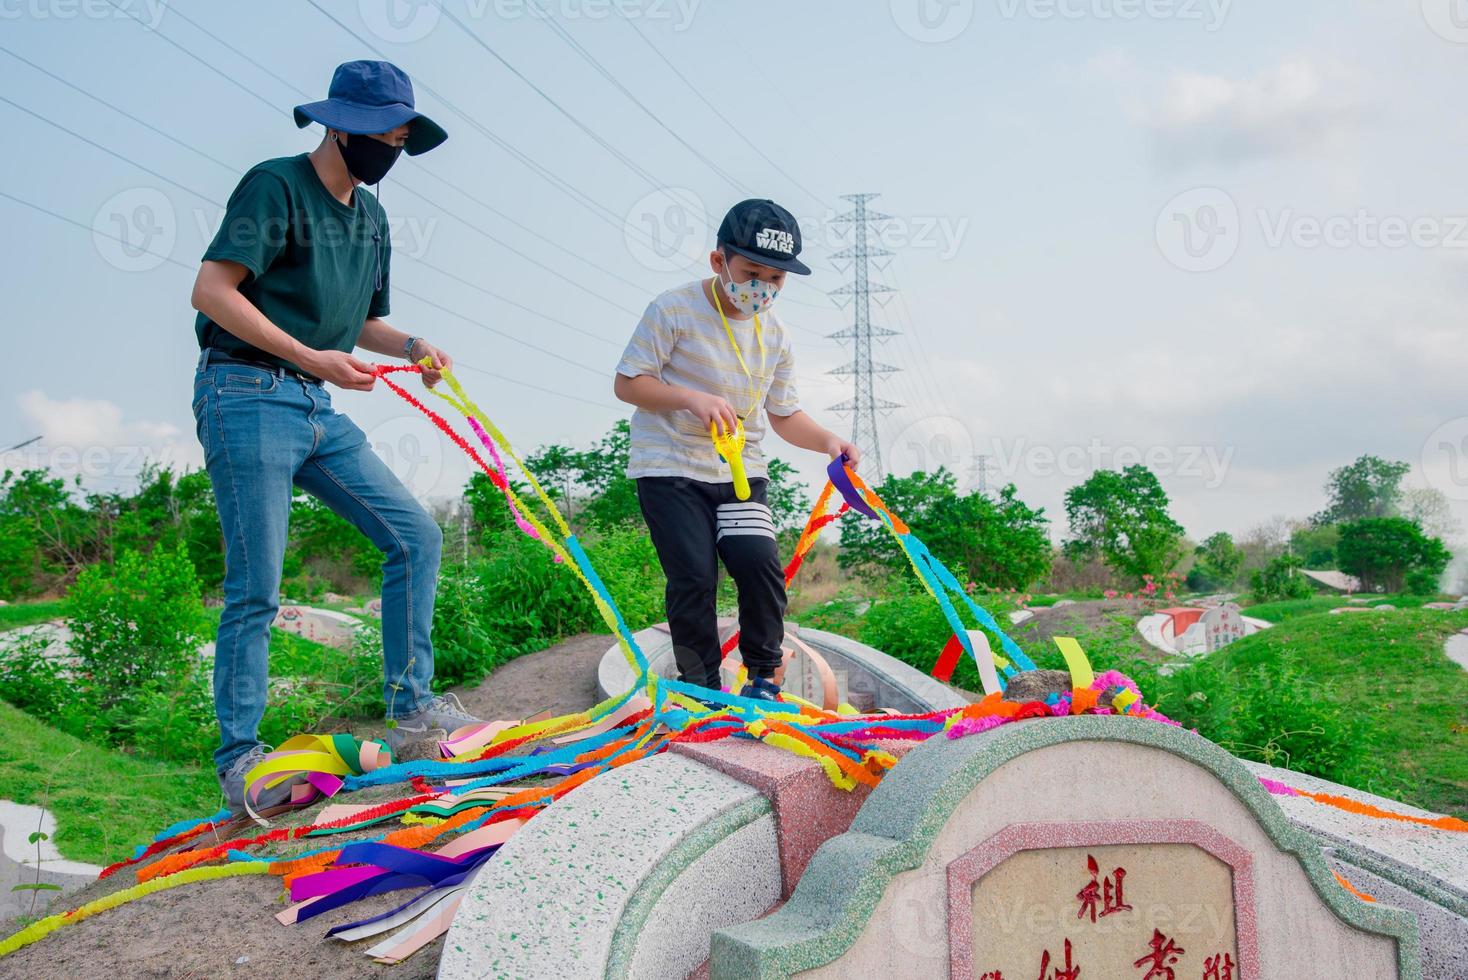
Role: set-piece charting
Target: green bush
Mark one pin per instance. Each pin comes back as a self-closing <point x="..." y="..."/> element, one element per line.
<point x="1272" y="714"/>
<point x="1280" y="579"/>
<point x="1422" y="581"/>
<point x="136" y="624"/>
<point x="518" y="599"/>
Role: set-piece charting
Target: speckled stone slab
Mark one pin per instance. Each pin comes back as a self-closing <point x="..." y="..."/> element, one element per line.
<point x="874" y="901"/>
<point x="1444" y="933"/>
<point x="1432" y="857"/>
<point x="809" y="809"/>
<point x="570" y="892"/>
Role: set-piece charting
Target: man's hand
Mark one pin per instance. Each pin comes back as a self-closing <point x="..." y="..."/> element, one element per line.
<point x="341" y="369"/>
<point x="838" y="446"/>
<point x="439" y="362"/>
<point x="711" y="410"/>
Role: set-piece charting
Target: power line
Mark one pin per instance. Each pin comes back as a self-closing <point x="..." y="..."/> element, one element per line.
<point x="205" y="197"/>
<point x="715" y="110"/>
<point x="616" y="83"/>
<point x="42" y="209"/>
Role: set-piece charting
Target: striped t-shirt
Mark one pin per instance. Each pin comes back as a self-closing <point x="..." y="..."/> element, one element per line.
<point x="681" y="341"/>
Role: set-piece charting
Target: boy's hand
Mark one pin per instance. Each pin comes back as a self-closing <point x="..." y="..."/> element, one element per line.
<point x="838" y="446"/>
<point x="712" y="410"/>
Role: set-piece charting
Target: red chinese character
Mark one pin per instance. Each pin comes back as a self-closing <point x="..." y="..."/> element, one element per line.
<point x="1069" y="973"/>
<point x="1162" y="959"/>
<point x="1220" y="967"/>
<point x="1108" y="891"/>
<point x="993" y="975"/>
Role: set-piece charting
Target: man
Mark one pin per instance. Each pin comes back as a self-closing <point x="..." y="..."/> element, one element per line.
<point x="710" y="353"/>
<point x="297" y="278"/>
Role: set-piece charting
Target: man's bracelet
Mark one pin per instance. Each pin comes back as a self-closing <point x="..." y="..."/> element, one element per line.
<point x="408" y="349"/>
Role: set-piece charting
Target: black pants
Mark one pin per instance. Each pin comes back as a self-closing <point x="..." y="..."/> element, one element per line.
<point x="693" y="525"/>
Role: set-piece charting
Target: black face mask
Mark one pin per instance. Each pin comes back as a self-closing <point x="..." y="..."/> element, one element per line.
<point x="368" y="159"/>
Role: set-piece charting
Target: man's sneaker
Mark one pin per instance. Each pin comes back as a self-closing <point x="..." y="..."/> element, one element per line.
<point x="232" y="783"/>
<point x="761" y="689"/>
<point x="441" y="715"/>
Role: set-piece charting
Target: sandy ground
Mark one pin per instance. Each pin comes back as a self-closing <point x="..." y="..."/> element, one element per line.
<point x="228" y="928"/>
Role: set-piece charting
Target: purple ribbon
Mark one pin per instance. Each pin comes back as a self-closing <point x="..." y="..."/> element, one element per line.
<point x="841" y="480"/>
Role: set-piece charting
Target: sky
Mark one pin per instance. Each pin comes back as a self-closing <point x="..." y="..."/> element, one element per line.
<point x="1227" y="239"/>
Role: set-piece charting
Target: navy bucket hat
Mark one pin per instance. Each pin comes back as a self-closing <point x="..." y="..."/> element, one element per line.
<point x="370" y="97"/>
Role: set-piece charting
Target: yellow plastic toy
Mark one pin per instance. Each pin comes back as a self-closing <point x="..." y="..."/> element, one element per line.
<point x="731" y="446"/>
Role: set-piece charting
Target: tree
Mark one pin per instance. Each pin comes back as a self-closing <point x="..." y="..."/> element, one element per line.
<point x="1428" y="507"/>
<point x="1383" y="551"/>
<point x="788" y="501"/>
<point x="1122" y="516"/>
<point x="1369" y="487"/>
<point x="1218" y="563"/>
<point x="602" y="471"/>
<point x="556" y="467"/>
<point x="1000" y="543"/>
<point x="1315" y="545"/>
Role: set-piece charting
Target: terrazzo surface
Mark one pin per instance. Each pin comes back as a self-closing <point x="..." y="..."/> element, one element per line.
<point x="551" y="900"/>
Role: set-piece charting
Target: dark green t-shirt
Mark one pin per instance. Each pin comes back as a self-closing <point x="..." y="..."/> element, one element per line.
<point x="315" y="269"/>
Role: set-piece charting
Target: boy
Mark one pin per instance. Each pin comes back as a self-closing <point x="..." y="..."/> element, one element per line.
<point x="296" y="279"/>
<point x="710" y="353"/>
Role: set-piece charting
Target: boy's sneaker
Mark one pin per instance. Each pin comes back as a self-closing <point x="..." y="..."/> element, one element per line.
<point x="232" y="783"/>
<point x="761" y="689"/>
<point x="439" y="717"/>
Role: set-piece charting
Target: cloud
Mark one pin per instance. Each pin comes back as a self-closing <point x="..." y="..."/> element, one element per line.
<point x="1296" y="107"/>
<point x="91" y="438"/>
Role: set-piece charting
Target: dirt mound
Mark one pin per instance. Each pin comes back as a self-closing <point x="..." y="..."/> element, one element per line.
<point x="228" y="928"/>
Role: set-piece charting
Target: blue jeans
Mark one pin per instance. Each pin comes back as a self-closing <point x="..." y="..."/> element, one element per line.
<point x="263" y="431"/>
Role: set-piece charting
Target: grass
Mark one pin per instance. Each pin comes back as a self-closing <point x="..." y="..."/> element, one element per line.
<point x="1390" y="668"/>
<point x="104" y="801"/>
<point x="29" y="613"/>
<point x="1278" y="612"/>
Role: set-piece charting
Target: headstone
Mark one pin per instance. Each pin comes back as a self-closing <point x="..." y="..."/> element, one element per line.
<point x="1222" y="625"/>
<point x="1084" y="847"/>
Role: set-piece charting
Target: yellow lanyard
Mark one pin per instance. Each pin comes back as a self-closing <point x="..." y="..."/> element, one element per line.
<point x="754" y="380"/>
